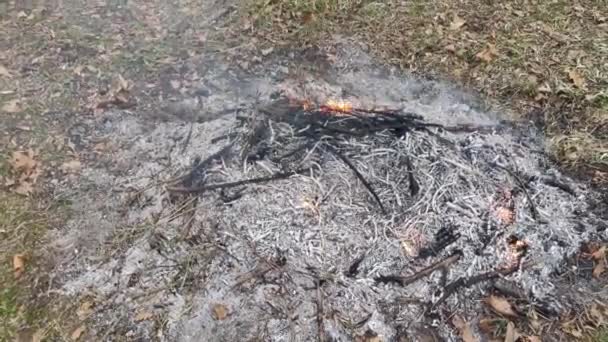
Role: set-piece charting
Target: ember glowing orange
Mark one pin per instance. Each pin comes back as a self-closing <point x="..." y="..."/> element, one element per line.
<point x="338" y="106"/>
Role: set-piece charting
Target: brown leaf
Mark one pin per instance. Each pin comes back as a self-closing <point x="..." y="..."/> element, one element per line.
<point x="4" y="72"/>
<point x="76" y="334"/>
<point x="18" y="265"/>
<point x="510" y="334"/>
<point x="599" y="268"/>
<point x="500" y="305"/>
<point x="72" y="166"/>
<point x="465" y="329"/>
<point x="220" y="312"/>
<point x="599" y="254"/>
<point x="85" y="309"/>
<point x="457" y="23"/>
<point x="12" y="106"/>
<point x="505" y="215"/>
<point x="26" y="169"/>
<point x="143" y="316"/>
<point x="577" y="79"/>
<point x="23" y="161"/>
<point x="488" y="54"/>
<point x="534" y="339"/>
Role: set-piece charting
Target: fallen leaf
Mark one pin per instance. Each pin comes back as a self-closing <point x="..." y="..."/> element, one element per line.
<point x="534" y="339"/>
<point x="457" y="23"/>
<point x="12" y="106"/>
<point x="506" y="216"/>
<point x="488" y="54"/>
<point x="599" y="254"/>
<point x="576" y="78"/>
<point x="4" y="72"/>
<point x="450" y="48"/>
<point x="220" y="312"/>
<point x="76" y="334"/>
<point x="143" y="316"/>
<point x="72" y="166"/>
<point x="500" y="305"/>
<point x="85" y="309"/>
<point x="510" y="334"/>
<point x="464" y="328"/>
<point x="599" y="268"/>
<point x="26" y="169"/>
<point x="18" y="265"/>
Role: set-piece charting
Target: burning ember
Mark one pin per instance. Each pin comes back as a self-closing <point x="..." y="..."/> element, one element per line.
<point x="339" y="106"/>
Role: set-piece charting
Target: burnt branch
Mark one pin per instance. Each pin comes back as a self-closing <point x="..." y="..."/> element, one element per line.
<point x="441" y="265"/>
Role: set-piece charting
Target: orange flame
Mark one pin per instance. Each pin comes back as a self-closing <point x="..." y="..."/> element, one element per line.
<point x="337" y="106"/>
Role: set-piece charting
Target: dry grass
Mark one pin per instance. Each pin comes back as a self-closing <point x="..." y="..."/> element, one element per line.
<point x="546" y="59"/>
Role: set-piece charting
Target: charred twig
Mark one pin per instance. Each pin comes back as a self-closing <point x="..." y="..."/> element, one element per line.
<point x="414" y="187"/>
<point x="444" y="237"/>
<point x="425" y="272"/>
<point x="462" y="282"/>
<point x="522" y="186"/>
<point x="353" y="269"/>
<point x="369" y="188"/>
<point x="321" y="329"/>
<point x="276" y="176"/>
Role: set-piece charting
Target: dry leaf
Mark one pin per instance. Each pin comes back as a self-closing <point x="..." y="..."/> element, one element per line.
<point x="506" y="216"/>
<point x="577" y="79"/>
<point x="18" y="264"/>
<point x="500" y="305"/>
<point x="457" y="23"/>
<point x="220" y="312"/>
<point x="599" y="268"/>
<point x="72" y="166"/>
<point x="599" y="254"/>
<point x="23" y="161"/>
<point x="534" y="339"/>
<point x="488" y="54"/>
<point x="464" y="328"/>
<point x="84" y="310"/>
<point x="510" y="334"/>
<point x="4" y="72"/>
<point x="78" y="332"/>
<point x="143" y="316"/>
<point x="12" y="106"/>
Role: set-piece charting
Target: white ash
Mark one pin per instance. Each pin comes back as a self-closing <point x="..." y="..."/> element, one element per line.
<point x="178" y="257"/>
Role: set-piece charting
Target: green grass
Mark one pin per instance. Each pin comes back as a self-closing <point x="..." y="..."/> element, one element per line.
<point x="22" y="230"/>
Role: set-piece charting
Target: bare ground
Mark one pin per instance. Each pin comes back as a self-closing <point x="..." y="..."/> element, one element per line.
<point x="136" y="92"/>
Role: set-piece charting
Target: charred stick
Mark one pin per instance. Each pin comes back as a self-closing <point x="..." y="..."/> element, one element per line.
<point x="414" y="187"/>
<point x="345" y="160"/>
<point x="522" y="186"/>
<point x="452" y="287"/>
<point x="425" y="272"/>
<point x="276" y="176"/>
<point x="321" y="329"/>
<point x="354" y="267"/>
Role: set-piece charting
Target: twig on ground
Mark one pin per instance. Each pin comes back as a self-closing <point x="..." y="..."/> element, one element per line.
<point x="404" y="281"/>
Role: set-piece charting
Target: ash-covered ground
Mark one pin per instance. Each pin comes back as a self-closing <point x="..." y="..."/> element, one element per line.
<point x="308" y="255"/>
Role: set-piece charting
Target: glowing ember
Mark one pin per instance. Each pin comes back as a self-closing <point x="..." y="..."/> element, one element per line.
<point x="337" y="106"/>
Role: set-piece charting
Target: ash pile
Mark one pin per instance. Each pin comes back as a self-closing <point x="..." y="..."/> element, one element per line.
<point x="333" y="221"/>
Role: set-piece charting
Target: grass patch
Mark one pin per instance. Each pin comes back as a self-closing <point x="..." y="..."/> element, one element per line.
<point x="21" y="231"/>
<point x="548" y="56"/>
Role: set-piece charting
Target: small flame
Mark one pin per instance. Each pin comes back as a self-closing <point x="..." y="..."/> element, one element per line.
<point x="337" y="106"/>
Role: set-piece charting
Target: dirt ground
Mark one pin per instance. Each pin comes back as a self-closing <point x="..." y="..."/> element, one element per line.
<point x="103" y="104"/>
